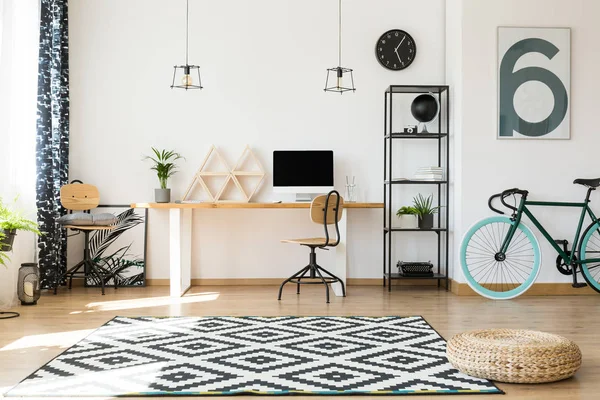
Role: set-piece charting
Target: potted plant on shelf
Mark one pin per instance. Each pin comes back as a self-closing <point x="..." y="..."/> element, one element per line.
<point x="164" y="165"/>
<point x="11" y="221"/>
<point x="407" y="217"/>
<point x="425" y="210"/>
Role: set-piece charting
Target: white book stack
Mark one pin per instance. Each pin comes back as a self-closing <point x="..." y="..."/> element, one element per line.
<point x="429" y="174"/>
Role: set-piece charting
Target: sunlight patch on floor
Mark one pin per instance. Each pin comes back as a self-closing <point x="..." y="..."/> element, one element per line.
<point x="58" y="339"/>
<point x="149" y="302"/>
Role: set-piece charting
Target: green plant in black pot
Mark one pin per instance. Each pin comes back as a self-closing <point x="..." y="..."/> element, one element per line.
<point x="425" y="210"/>
<point x="165" y="167"/>
<point x="3" y="257"/>
<point x="13" y="220"/>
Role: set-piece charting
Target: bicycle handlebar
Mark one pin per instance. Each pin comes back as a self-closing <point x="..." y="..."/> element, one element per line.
<point x="503" y="195"/>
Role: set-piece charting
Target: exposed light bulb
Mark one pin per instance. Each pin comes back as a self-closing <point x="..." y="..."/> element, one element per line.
<point x="187" y="80"/>
<point x="340" y="74"/>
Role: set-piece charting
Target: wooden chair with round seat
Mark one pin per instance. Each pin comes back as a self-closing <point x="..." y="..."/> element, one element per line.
<point x="325" y="209"/>
<point x="83" y="198"/>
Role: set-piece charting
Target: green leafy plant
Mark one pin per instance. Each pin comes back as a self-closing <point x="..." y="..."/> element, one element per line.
<point x="164" y="164"/>
<point x="406" y="210"/>
<point x="424" y="205"/>
<point x="12" y="220"/>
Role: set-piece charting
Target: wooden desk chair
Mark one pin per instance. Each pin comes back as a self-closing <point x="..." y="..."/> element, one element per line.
<point x="83" y="197"/>
<point x="327" y="210"/>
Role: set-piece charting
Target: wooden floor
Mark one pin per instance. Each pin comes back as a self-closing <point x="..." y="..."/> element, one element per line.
<point x="57" y="322"/>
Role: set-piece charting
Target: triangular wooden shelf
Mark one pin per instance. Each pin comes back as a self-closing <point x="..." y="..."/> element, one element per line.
<point x="260" y="172"/>
<point x="202" y="174"/>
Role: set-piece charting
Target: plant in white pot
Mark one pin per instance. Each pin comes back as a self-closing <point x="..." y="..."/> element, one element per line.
<point x="425" y="210"/>
<point x="13" y="220"/>
<point x="165" y="167"/>
<point x="407" y="217"/>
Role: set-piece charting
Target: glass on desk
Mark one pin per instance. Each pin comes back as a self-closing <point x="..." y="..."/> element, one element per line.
<point x="350" y="193"/>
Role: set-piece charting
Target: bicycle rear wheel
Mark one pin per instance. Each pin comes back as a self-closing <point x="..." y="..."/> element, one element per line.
<point x="590" y="248"/>
<point x="494" y="275"/>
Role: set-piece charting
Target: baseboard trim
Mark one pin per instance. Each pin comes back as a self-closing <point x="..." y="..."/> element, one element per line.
<point x="458" y="288"/>
<point x="277" y="282"/>
<point x="537" y="289"/>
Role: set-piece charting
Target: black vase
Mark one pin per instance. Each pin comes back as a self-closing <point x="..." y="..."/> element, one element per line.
<point x="6" y="243"/>
<point x="426" y="221"/>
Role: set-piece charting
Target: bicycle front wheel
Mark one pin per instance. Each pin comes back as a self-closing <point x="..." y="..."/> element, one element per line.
<point x="494" y="275"/>
<point x="590" y="249"/>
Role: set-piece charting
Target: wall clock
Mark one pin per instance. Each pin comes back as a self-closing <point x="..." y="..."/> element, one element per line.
<point x="395" y="50"/>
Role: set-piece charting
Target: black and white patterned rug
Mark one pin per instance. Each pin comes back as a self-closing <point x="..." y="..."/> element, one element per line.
<point x="254" y="355"/>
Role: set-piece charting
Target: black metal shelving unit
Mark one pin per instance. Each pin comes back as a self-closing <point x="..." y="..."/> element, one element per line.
<point x="443" y="151"/>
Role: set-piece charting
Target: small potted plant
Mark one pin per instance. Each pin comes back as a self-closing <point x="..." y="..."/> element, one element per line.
<point x="164" y="165"/>
<point x="11" y="221"/>
<point x="407" y="217"/>
<point x="425" y="210"/>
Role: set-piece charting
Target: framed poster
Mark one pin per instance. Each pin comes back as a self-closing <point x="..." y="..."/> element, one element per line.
<point x="534" y="83"/>
<point x="121" y="250"/>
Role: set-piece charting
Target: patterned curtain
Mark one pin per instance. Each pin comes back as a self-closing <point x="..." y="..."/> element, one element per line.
<point x="52" y="143"/>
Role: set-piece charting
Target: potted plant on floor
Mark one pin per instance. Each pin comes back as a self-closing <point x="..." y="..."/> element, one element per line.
<point x="165" y="167"/>
<point x="425" y="210"/>
<point x="407" y="217"/>
<point x="11" y="221"/>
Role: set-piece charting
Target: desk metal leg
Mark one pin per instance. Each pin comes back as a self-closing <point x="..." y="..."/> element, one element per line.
<point x="180" y="258"/>
<point x="341" y="260"/>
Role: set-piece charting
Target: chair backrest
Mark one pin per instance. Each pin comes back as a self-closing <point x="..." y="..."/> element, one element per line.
<point x="327" y="209"/>
<point x="317" y="208"/>
<point x="79" y="196"/>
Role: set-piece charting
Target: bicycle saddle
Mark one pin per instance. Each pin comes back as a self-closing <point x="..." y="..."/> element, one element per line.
<point x="588" y="182"/>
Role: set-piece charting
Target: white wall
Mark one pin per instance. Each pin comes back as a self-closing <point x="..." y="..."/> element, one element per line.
<point x="263" y="67"/>
<point x="545" y="168"/>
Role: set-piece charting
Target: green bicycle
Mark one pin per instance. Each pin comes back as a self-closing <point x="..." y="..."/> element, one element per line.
<point x="501" y="257"/>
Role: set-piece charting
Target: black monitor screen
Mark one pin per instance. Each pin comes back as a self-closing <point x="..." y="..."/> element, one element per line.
<point x="303" y="168"/>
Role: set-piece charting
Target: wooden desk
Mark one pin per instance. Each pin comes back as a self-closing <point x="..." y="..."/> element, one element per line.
<point x="180" y="237"/>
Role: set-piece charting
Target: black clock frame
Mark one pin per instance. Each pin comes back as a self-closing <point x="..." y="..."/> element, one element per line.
<point x="377" y="45"/>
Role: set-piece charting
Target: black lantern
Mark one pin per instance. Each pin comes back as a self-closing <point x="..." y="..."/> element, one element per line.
<point x="28" y="288"/>
<point x="185" y="76"/>
<point x="339" y="71"/>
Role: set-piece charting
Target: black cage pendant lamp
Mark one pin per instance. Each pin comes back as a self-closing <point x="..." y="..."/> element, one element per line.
<point x="339" y="71"/>
<point x="186" y="76"/>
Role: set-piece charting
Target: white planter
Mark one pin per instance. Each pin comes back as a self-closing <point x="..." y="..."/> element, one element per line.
<point x="408" y="222"/>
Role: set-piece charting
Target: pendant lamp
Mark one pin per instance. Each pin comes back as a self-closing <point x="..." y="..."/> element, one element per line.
<point x="339" y="72"/>
<point x="186" y="76"/>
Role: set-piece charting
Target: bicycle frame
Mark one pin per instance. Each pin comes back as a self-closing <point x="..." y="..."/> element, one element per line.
<point x="522" y="209"/>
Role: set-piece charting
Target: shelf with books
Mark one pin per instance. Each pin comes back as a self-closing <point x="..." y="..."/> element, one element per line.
<point x="430" y="176"/>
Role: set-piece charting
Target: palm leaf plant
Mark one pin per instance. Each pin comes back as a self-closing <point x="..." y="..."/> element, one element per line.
<point x="117" y="262"/>
<point x="164" y="164"/>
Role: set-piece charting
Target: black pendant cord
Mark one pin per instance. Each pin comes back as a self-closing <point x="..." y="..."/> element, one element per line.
<point x="339" y="33"/>
<point x="8" y="314"/>
<point x="187" y="30"/>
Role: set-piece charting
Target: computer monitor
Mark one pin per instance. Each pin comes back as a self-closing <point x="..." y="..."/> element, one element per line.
<point x="303" y="172"/>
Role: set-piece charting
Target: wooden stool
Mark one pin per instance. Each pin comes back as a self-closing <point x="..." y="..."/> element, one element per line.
<point x="514" y="355"/>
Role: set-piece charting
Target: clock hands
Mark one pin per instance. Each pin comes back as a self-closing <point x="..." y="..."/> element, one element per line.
<point x="399" y="44"/>
<point x="396" y="49"/>
<point x="398" y="55"/>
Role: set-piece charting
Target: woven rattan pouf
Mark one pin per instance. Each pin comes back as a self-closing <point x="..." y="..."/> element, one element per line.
<point x="514" y="356"/>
